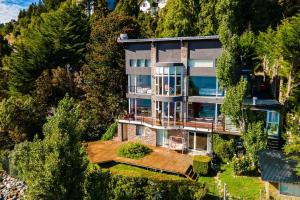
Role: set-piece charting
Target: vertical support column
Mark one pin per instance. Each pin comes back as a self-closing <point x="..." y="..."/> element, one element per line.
<point x="153" y="69"/>
<point x="209" y="143"/>
<point x="184" y="60"/>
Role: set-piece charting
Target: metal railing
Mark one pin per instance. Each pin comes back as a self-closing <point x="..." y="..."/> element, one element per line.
<point x="194" y="123"/>
<point x="139" y="90"/>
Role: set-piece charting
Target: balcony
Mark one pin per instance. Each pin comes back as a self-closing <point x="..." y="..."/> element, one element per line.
<point x="139" y="90"/>
<point x="193" y="124"/>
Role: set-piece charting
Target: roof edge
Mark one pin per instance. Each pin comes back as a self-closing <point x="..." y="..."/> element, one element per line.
<point x="210" y="37"/>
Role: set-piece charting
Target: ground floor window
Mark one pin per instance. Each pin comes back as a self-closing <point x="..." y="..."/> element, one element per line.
<point x="289" y="189"/>
<point x="140" y="130"/>
<point x="197" y="141"/>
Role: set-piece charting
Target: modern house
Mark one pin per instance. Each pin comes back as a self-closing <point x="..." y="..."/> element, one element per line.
<point x="152" y="6"/>
<point x="174" y="98"/>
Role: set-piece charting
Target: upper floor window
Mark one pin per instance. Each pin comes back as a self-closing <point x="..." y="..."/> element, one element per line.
<point x="140" y="63"/>
<point x="168" y="81"/>
<point x="140" y="84"/>
<point x="200" y="63"/>
<point x="204" y="86"/>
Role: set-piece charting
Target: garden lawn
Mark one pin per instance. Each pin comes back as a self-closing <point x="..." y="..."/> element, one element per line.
<point x="244" y="187"/>
<point x="128" y="170"/>
<point x="210" y="181"/>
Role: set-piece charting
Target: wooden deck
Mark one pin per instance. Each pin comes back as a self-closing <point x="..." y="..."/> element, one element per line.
<point x="160" y="159"/>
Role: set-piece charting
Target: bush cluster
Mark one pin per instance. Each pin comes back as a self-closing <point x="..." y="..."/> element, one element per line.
<point x="110" y="132"/>
<point x="101" y="184"/>
<point x="201" y="164"/>
<point x="242" y="165"/>
<point x="4" y="160"/>
<point x="134" y="150"/>
<point x="223" y="148"/>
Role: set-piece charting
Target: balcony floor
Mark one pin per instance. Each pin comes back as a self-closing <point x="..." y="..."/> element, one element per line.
<point x="160" y="159"/>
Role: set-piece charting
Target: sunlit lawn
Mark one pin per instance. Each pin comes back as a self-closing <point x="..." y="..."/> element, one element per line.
<point x="244" y="187"/>
<point x="128" y="170"/>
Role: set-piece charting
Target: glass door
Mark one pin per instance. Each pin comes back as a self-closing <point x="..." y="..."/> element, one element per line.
<point x="197" y="141"/>
<point x="161" y="138"/>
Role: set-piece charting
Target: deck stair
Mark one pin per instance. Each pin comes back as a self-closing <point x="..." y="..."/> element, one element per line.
<point x="274" y="143"/>
<point x="190" y="174"/>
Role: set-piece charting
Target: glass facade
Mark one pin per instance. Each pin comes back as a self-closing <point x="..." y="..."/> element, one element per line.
<point x="168" y="81"/>
<point x="140" y="63"/>
<point x="140" y="107"/>
<point x="205" y="111"/>
<point x="200" y="63"/>
<point x="204" y="86"/>
<point x="140" y="84"/>
<point x="272" y="123"/>
<point x="168" y="111"/>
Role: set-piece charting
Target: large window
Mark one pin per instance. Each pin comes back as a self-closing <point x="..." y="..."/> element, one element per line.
<point x="204" y="111"/>
<point x="204" y="86"/>
<point x="140" y="63"/>
<point x="168" y="111"/>
<point x="140" y="107"/>
<point x="200" y="63"/>
<point x="168" y="81"/>
<point x="140" y="84"/>
<point x="272" y="122"/>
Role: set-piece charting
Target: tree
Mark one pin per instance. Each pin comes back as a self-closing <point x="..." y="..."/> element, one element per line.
<point x="58" y="38"/>
<point x="4" y="50"/>
<point x="292" y="147"/>
<point x="254" y="140"/>
<point x="53" y="168"/>
<point x="233" y="104"/>
<point x="149" y="24"/>
<point x="128" y="7"/>
<point x="20" y="118"/>
<point x="104" y="79"/>
<point x="207" y="22"/>
<point x="177" y="19"/>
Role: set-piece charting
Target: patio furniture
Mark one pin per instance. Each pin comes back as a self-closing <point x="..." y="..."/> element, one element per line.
<point x="177" y="143"/>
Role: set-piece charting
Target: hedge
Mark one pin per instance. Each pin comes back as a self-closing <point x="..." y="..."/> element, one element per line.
<point x="101" y="184"/>
<point x="110" y="132"/>
<point x="134" y="150"/>
<point x="201" y="164"/>
<point x="223" y="148"/>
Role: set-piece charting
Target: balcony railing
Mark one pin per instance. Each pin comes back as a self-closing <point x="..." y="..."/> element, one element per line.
<point x="193" y="123"/>
<point x="139" y="90"/>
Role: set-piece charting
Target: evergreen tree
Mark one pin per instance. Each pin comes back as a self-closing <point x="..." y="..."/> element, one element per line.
<point x="53" y="168"/>
<point x="58" y="38"/>
<point x="104" y="79"/>
<point x="178" y="19"/>
<point x="208" y="23"/>
<point x="128" y="7"/>
<point x="4" y="50"/>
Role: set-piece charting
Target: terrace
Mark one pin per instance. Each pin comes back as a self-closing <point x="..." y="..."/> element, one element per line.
<point x="160" y="159"/>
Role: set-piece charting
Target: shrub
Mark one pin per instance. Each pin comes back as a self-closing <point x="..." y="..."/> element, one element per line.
<point x="201" y="164"/>
<point x="100" y="184"/>
<point x="110" y="132"/>
<point x="4" y="160"/>
<point x="223" y="148"/>
<point x="134" y="150"/>
<point x="242" y="165"/>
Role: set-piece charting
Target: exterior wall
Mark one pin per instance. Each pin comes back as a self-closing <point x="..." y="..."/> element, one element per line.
<point x="149" y="137"/>
<point x="272" y="192"/>
<point x="137" y="51"/>
<point x="205" y="49"/>
<point x="169" y="52"/>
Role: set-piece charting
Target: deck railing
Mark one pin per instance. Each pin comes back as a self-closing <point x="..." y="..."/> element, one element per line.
<point x="195" y="123"/>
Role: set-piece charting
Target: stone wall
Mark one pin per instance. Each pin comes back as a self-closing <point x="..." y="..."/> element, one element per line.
<point x="11" y="188"/>
<point x="149" y="137"/>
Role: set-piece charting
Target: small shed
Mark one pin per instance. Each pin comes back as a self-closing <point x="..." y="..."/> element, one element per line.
<point x="278" y="172"/>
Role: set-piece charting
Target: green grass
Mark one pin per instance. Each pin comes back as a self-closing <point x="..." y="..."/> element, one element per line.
<point x="244" y="187"/>
<point x="128" y="170"/>
<point x="212" y="186"/>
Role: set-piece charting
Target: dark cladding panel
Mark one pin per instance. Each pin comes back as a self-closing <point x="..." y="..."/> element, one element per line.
<point x="138" y="51"/>
<point x="169" y="52"/>
<point x="206" y="49"/>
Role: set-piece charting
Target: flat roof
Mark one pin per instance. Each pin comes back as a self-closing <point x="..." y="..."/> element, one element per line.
<point x="276" y="167"/>
<point x="210" y="37"/>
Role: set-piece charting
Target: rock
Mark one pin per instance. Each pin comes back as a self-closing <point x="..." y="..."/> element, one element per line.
<point x="11" y="188"/>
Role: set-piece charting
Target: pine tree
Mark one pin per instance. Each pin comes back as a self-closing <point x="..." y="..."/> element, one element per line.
<point x="128" y="7"/>
<point x="177" y="19"/>
<point x="207" y="20"/>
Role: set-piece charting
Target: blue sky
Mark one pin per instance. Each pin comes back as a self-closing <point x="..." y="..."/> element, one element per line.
<point x="9" y="9"/>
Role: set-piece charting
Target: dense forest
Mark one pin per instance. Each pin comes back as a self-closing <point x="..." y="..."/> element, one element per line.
<point x="63" y="82"/>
